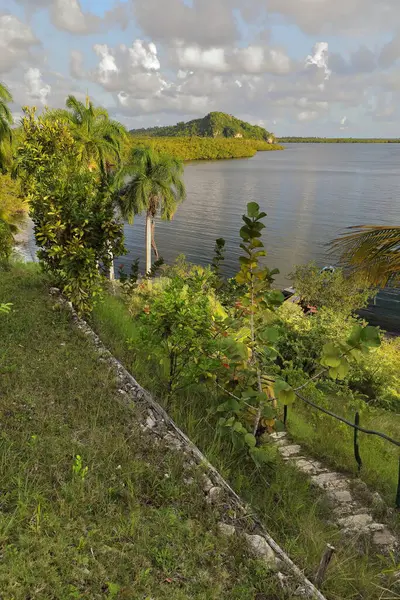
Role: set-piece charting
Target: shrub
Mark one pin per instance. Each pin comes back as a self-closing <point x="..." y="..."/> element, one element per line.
<point x="332" y="290"/>
<point x="71" y="207"/>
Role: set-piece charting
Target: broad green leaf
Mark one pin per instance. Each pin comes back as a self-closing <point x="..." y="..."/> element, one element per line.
<point x="239" y="428"/>
<point x="249" y="393"/>
<point x="245" y="233"/>
<point x="356" y="354"/>
<point x="268" y="412"/>
<point x="275" y="297"/>
<point x="284" y="392"/>
<point x="355" y="336"/>
<point x="343" y="369"/>
<point x="370" y="337"/>
<point x="262" y="397"/>
<point x="229" y="405"/>
<point x="331" y="355"/>
<point x="269" y="334"/>
<point x="253" y="209"/>
<point x="250" y="440"/>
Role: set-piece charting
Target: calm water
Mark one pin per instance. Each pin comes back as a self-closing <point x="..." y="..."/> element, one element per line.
<point x="311" y="192"/>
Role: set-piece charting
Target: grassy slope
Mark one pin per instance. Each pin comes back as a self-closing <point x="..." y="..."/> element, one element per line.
<point x="131" y="529"/>
<point x="292" y="511"/>
<point x="333" y="442"/>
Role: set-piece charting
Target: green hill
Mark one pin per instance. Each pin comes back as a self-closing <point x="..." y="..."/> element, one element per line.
<point x="213" y="125"/>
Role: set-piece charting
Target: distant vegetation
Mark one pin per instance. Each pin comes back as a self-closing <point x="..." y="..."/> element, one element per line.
<point x="200" y="148"/>
<point x="318" y="140"/>
<point x="215" y="125"/>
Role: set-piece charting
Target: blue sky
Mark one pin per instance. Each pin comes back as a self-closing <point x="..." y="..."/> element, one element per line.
<point x="300" y="67"/>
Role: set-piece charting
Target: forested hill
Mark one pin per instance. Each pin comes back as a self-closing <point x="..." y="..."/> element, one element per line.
<point x="215" y="125"/>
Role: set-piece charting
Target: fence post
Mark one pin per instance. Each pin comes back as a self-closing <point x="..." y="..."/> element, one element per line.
<point x="398" y="491"/>
<point x="356" y="447"/>
<point x="285" y="414"/>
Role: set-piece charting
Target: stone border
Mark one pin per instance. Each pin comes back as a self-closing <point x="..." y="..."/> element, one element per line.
<point x="260" y="542"/>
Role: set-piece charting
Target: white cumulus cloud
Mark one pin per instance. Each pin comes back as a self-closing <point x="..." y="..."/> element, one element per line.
<point x="107" y="64"/>
<point x="319" y="58"/>
<point x="307" y="115"/>
<point x="144" y="55"/>
<point x="36" y="87"/>
<point x="15" y="41"/>
<point x="194" y="57"/>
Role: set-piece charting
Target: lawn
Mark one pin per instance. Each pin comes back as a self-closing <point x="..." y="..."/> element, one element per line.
<point x="295" y="514"/>
<point x="90" y="507"/>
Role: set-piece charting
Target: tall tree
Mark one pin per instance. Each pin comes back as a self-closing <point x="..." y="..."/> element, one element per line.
<point x="155" y="187"/>
<point x="373" y="250"/>
<point x="99" y="138"/>
<point x="5" y="125"/>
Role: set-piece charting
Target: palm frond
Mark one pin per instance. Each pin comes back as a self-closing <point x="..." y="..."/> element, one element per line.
<point x="373" y="250"/>
<point x="5" y="94"/>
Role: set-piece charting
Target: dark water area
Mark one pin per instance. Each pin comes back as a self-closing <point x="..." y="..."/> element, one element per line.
<point x="311" y="193"/>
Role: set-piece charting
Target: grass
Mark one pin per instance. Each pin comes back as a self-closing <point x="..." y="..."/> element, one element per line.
<point x="320" y="435"/>
<point x="120" y="522"/>
<point x="295" y="514"/>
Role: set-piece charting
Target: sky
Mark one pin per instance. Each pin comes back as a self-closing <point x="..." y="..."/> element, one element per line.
<point x="296" y="67"/>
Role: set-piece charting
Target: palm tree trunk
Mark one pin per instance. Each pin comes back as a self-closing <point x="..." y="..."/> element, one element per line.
<point x="111" y="272"/>
<point x="148" y="242"/>
<point x="153" y="241"/>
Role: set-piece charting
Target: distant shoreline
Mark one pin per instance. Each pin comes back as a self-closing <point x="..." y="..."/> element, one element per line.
<point x="301" y="140"/>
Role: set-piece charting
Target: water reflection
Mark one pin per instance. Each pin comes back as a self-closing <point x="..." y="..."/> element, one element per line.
<point x="311" y="192"/>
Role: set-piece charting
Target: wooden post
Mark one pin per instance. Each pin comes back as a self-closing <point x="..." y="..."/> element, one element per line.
<point x="324" y="564"/>
<point x="356" y="446"/>
<point x="285" y="410"/>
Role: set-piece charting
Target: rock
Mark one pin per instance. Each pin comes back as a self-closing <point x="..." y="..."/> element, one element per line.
<point x="358" y="523"/>
<point x="172" y="442"/>
<point x="329" y="481"/>
<point x="384" y="539"/>
<point x="302" y="592"/>
<point x="214" y="495"/>
<point x="261" y="548"/>
<point x="377" y="501"/>
<point x="287" y="451"/>
<point x="150" y="423"/>
<point x="341" y="496"/>
<point x="307" y="467"/>
<point x="278" y="435"/>
<point x="207" y="484"/>
<point x="226" y="529"/>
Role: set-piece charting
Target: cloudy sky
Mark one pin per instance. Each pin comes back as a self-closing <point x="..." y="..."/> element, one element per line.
<point x="316" y="67"/>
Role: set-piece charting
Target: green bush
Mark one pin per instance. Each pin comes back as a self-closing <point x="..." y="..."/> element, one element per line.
<point x="72" y="209"/>
<point x="333" y="290"/>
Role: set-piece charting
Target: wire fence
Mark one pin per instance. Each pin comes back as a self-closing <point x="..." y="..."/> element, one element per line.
<point x="357" y="429"/>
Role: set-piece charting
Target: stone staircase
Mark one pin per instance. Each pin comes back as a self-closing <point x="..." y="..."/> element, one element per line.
<point x="348" y="512"/>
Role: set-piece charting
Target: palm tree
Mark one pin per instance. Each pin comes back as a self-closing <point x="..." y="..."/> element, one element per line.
<point x="156" y="187"/>
<point x="5" y="123"/>
<point x="99" y="138"/>
<point x="373" y="250"/>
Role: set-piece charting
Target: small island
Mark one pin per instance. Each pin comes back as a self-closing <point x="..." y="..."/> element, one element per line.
<point x="215" y="136"/>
